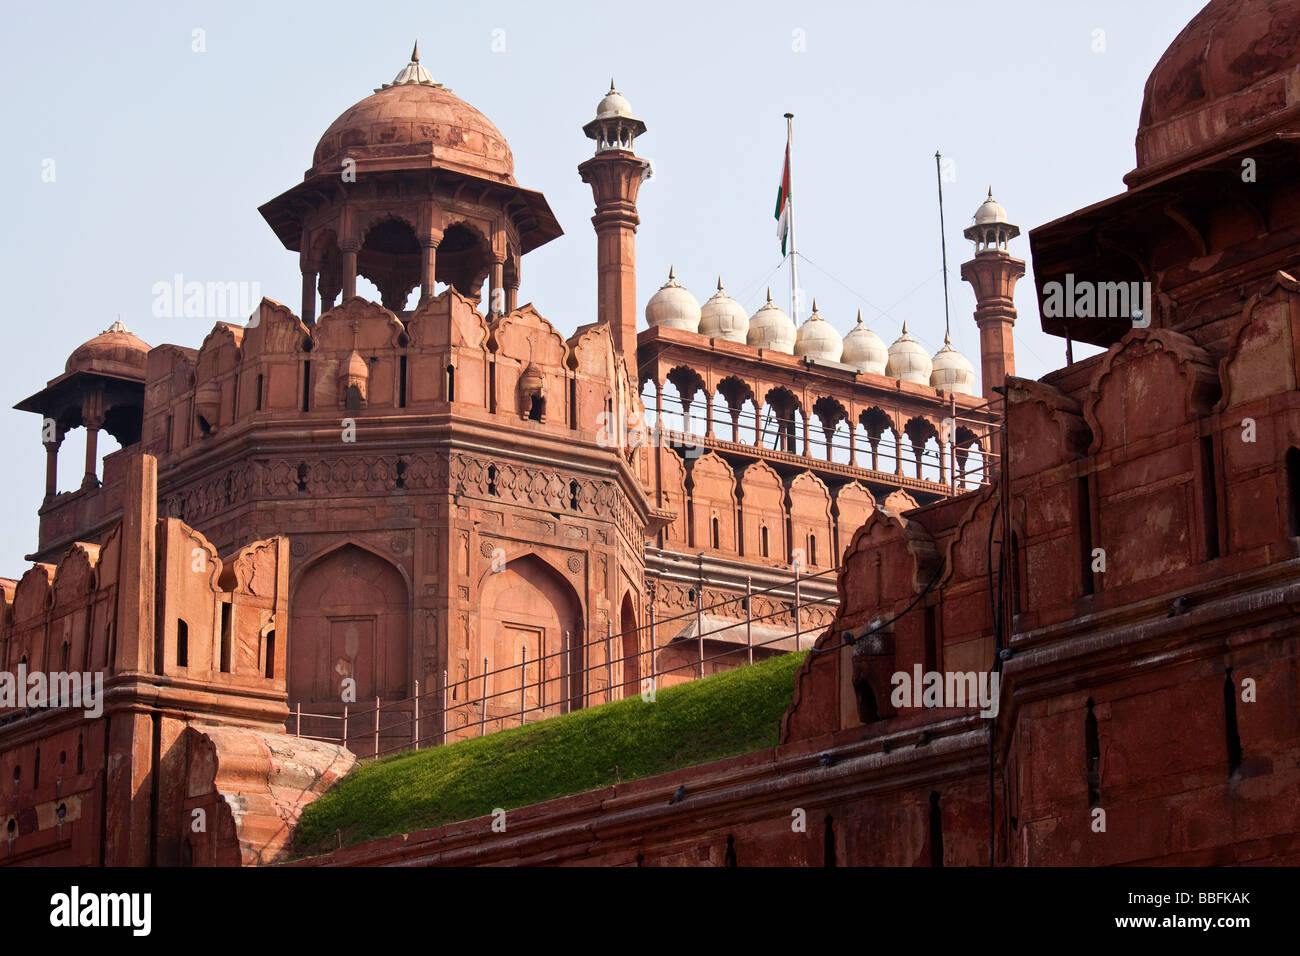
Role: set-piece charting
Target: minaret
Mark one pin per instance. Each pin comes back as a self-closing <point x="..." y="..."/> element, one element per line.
<point x="993" y="274"/>
<point x="615" y="174"/>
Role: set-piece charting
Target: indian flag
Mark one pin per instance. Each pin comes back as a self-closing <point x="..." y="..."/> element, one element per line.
<point x="783" y="202"/>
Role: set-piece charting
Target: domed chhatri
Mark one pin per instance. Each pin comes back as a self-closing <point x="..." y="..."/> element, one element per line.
<point x="990" y="212"/>
<point x="370" y="207"/>
<point x="865" y="350"/>
<point x="770" y="328"/>
<point x="817" y="339"/>
<point x="673" y="307"/>
<point x="116" y="351"/>
<point x="724" y="318"/>
<point x="614" y="128"/>
<point x="614" y="104"/>
<point x="1233" y="70"/>
<point x="992" y="230"/>
<point x="951" y="371"/>
<point x="414" y="122"/>
<point x="908" y="360"/>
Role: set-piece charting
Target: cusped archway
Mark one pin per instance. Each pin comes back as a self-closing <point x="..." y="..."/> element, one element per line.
<point x="349" y="618"/>
<point x="530" y="632"/>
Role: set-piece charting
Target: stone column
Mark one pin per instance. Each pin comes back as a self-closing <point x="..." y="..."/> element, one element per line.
<point x="92" y="418"/>
<point x="993" y="275"/>
<point x="512" y="286"/>
<point x="428" y="265"/>
<point x="52" y="464"/>
<point x="615" y="177"/>
<point x="350" y="249"/>
<point x="309" y="297"/>
<point x="496" y="288"/>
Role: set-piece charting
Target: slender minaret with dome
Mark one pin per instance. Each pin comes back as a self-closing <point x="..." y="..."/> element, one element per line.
<point x="993" y="274"/>
<point x="615" y="174"/>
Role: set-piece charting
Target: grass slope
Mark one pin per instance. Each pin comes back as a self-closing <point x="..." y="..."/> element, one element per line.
<point x="721" y="716"/>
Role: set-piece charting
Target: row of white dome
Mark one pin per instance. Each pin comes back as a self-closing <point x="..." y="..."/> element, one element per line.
<point x="722" y="317"/>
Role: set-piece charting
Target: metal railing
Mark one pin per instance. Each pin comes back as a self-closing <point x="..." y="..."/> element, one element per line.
<point x="435" y="707"/>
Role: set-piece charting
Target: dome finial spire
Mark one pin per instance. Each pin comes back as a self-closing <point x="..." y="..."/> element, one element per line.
<point x="611" y="84"/>
<point x="990" y="191"/>
<point x="412" y="74"/>
<point x="672" y="274"/>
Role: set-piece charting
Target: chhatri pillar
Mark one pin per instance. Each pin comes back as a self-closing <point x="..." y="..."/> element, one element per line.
<point x="615" y="174"/>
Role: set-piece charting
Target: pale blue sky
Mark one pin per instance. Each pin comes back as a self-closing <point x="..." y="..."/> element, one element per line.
<point x="162" y="155"/>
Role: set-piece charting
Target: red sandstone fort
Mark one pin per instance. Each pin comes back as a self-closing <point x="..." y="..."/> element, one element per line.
<point x="439" y="508"/>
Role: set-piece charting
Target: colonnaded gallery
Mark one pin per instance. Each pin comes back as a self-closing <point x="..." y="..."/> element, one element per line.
<point x="439" y="506"/>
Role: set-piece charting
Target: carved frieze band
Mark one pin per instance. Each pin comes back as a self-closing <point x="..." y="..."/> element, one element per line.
<point x="359" y="474"/>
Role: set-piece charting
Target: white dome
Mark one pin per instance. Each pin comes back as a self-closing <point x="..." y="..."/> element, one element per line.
<point x="613" y="105"/>
<point x="673" y="307"/>
<point x="724" y="318"/>
<point x="770" y="328"/>
<point x="990" y="211"/>
<point x="951" y="371"/>
<point x="818" y="339"/>
<point x="865" y="350"/>
<point x="908" y="360"/>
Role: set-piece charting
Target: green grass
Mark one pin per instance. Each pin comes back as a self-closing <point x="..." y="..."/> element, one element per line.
<point x="721" y="716"/>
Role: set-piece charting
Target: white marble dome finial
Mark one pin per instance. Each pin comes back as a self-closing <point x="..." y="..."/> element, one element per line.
<point x="673" y="307"/>
<point x="818" y="339"/>
<point x="951" y="370"/>
<point x="908" y="360"/>
<point x="772" y="329"/>
<point x="722" y="317"/>
<point x="864" y="349"/>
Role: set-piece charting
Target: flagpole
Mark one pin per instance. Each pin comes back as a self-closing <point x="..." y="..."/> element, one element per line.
<point x="943" y="244"/>
<point x="794" y="259"/>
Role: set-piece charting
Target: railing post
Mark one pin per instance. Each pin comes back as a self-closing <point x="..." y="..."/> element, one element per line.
<point x="482" y="713"/>
<point x="345" y="725"/>
<point x="609" y="661"/>
<point x="699" y="613"/>
<point x="376" y="726"/>
<point x="798" y="602"/>
<point x="523" y="683"/>
<point x="297" y="730"/>
<point x="653" y="665"/>
<point x="952" y="442"/>
<point x="443" y="738"/>
<point x="415" y="720"/>
<point x="566" y="668"/>
<point x="585" y="686"/>
<point x="749" y="618"/>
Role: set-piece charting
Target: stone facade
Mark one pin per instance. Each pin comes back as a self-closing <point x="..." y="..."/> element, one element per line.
<point x="1130" y="578"/>
<point x="460" y="515"/>
<point x="181" y="757"/>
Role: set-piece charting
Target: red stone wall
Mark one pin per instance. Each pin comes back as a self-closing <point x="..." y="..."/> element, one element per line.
<point x="118" y="788"/>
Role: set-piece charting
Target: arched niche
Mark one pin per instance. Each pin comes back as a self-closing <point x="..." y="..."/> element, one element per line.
<point x="527" y="605"/>
<point x="349" y="618"/>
